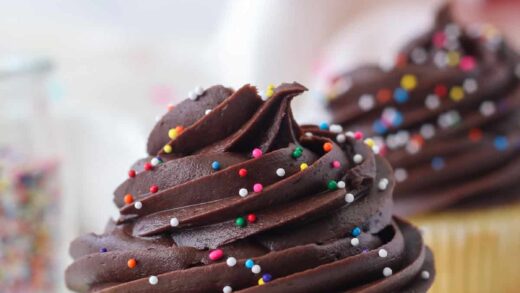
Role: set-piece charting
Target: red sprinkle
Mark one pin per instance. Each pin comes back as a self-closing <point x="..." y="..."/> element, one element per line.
<point x="216" y="254"/>
<point x="358" y="135"/>
<point x="475" y="134"/>
<point x="148" y="166"/>
<point x="131" y="173"/>
<point x="242" y="172"/>
<point x="439" y="39"/>
<point x="467" y="63"/>
<point x="251" y="218"/>
<point x="154" y="188"/>
<point x="441" y="90"/>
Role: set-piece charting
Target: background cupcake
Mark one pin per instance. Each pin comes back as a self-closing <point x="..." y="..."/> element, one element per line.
<point x="446" y="114"/>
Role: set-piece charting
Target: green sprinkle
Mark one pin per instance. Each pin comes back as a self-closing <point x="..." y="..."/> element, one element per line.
<point x="240" y="222"/>
<point x="332" y="185"/>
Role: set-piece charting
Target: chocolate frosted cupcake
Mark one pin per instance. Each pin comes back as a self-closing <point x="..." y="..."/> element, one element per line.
<point x="234" y="198"/>
<point x="447" y="117"/>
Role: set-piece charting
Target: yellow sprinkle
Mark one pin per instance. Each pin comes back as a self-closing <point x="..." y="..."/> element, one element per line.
<point x="270" y="90"/>
<point x="167" y="148"/>
<point x="456" y="93"/>
<point x="303" y="166"/>
<point x="453" y="58"/>
<point x="369" y="142"/>
<point x="261" y="281"/>
<point x="172" y="133"/>
<point x="409" y="82"/>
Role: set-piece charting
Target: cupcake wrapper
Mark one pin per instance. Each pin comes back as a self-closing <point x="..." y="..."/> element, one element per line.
<point x="475" y="251"/>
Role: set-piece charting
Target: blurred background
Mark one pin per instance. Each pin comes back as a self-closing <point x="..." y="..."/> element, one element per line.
<point x="81" y="83"/>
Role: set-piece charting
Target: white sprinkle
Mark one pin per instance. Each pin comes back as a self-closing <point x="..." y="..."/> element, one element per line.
<point x="174" y="222"/>
<point x="382" y="253"/>
<point x="487" y="108"/>
<point x="387" y="272"/>
<point x="375" y="149"/>
<point x="425" y="275"/>
<point x="308" y="134"/>
<point x="192" y="96"/>
<point x="341" y="184"/>
<point x="263" y="95"/>
<point x="400" y="174"/>
<point x="207" y="111"/>
<point x="256" y="269"/>
<point x="155" y="162"/>
<point x="349" y="134"/>
<point x="470" y="85"/>
<point x="227" y="289"/>
<point x="243" y="192"/>
<point x="387" y="62"/>
<point x="413" y="147"/>
<point x="199" y="90"/>
<point x="452" y="30"/>
<point x="342" y="85"/>
<point x="138" y="205"/>
<point x="432" y="102"/>
<point x="231" y="261"/>
<point x="517" y="70"/>
<point x="336" y="128"/>
<point x="383" y="184"/>
<point x="354" y="241"/>
<point x="341" y="138"/>
<point x="349" y="197"/>
<point x="358" y="158"/>
<point x="448" y="119"/>
<point x="157" y="118"/>
<point x="419" y="55"/>
<point x="427" y="130"/>
<point x="153" y="280"/>
<point x="440" y="59"/>
<point x="366" y="102"/>
<point x="402" y="137"/>
<point x="280" y="172"/>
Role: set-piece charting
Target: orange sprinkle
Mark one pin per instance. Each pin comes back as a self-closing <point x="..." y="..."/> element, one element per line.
<point x="327" y="146"/>
<point x="401" y="60"/>
<point x="129" y="199"/>
<point x="170" y="107"/>
<point x="475" y="134"/>
<point x="131" y="263"/>
<point x="179" y="129"/>
<point x="384" y="95"/>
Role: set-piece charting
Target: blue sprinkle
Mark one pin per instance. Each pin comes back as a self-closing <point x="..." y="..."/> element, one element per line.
<point x="437" y="163"/>
<point x="324" y="126"/>
<point x="400" y="95"/>
<point x="398" y="120"/>
<point x="249" y="263"/>
<point x="267" y="277"/>
<point x="103" y="250"/>
<point x="215" y="165"/>
<point x="501" y="143"/>
<point x="356" y="231"/>
<point x="379" y="127"/>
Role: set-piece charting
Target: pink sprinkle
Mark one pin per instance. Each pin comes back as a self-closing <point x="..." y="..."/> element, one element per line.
<point x="257" y="153"/>
<point x="439" y="39"/>
<point x="216" y="254"/>
<point x="467" y="63"/>
<point x="358" y="135"/>
<point x="257" y="187"/>
<point x="335" y="164"/>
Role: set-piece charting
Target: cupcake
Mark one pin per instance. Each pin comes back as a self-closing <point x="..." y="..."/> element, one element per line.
<point x="446" y="116"/>
<point x="234" y="198"/>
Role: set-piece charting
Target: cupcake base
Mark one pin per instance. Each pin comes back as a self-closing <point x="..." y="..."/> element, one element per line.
<point x="475" y="251"/>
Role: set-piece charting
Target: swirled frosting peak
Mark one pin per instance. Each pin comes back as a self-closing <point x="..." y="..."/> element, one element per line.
<point x="236" y="196"/>
<point x="448" y="113"/>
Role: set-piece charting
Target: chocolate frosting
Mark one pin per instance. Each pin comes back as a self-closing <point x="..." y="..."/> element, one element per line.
<point x="447" y="113"/>
<point x="303" y="232"/>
